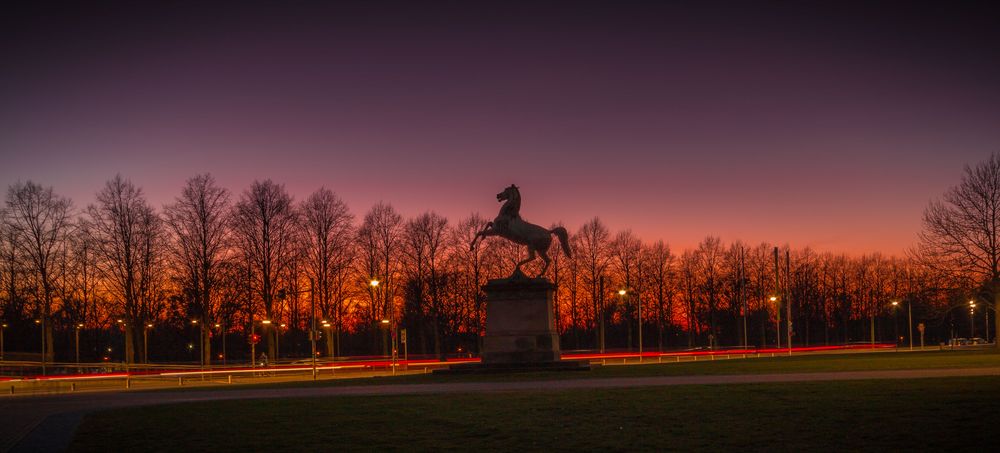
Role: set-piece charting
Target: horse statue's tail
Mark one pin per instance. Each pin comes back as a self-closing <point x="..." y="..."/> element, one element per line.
<point x="563" y="236"/>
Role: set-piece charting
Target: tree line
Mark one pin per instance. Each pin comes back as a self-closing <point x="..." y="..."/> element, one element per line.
<point x="213" y="265"/>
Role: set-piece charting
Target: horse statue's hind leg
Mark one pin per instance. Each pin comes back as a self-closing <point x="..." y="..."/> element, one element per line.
<point x="530" y="258"/>
<point x="545" y="257"/>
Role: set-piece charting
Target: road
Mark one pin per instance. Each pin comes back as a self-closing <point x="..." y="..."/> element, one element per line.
<point x="48" y="423"/>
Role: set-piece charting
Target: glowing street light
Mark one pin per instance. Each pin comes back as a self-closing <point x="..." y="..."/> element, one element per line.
<point x="222" y="332"/>
<point x="777" y="321"/>
<point x="972" y="319"/>
<point x="145" y="342"/>
<point x="78" y="327"/>
<point x="374" y="282"/>
<point x="2" y="327"/>
<point x="895" y="325"/>
<point x="201" y="343"/>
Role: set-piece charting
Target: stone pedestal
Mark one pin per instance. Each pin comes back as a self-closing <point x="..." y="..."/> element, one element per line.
<point x="520" y="327"/>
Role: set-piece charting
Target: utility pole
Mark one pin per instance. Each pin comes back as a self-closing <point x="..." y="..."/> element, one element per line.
<point x="601" y="330"/>
<point x="743" y="292"/>
<point x="788" y="297"/>
<point x="312" y="330"/>
<point x="777" y="301"/>
<point x="43" y="344"/>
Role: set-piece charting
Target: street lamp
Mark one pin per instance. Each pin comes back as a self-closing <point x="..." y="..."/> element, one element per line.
<point x="385" y="334"/>
<point x="222" y="332"/>
<point x="39" y="322"/>
<point x="201" y="343"/>
<point x="265" y="323"/>
<point x="78" y="327"/>
<point x="145" y="343"/>
<point x="777" y="321"/>
<point x="972" y="319"/>
<point x="2" y="327"/>
<point x="895" y="325"/>
<point x="277" y="341"/>
<point x="121" y="322"/>
<point x="373" y="286"/>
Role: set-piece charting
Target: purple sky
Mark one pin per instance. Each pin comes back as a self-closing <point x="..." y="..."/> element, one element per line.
<point x="822" y="124"/>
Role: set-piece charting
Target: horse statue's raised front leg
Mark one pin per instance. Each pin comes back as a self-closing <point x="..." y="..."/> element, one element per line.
<point x="482" y="234"/>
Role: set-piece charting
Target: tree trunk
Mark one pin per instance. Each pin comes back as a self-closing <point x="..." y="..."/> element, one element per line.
<point x="206" y="347"/>
<point x="50" y="354"/>
<point x="129" y="345"/>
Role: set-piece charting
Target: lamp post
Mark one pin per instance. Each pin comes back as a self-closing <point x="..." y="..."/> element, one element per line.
<point x="387" y="325"/>
<point x="41" y="322"/>
<point x="2" y="327"/>
<point x="373" y="287"/>
<point x="312" y="324"/>
<point x="265" y="323"/>
<point x="277" y="341"/>
<point x="78" y="327"/>
<point x="385" y="335"/>
<point x="121" y="322"/>
<point x="972" y="319"/>
<point x="201" y="343"/>
<point x="326" y="326"/>
<point x="895" y="325"/>
<point x="125" y="346"/>
<point x="222" y="332"/>
<point x="777" y="322"/>
<point x="909" y="321"/>
<point x="145" y="342"/>
<point x="600" y="332"/>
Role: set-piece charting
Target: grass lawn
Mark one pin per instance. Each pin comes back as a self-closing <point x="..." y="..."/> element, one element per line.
<point x="806" y="363"/>
<point x="952" y="414"/>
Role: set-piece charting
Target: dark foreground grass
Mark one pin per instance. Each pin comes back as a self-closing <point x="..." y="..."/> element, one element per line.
<point x="953" y="414"/>
<point x="805" y="363"/>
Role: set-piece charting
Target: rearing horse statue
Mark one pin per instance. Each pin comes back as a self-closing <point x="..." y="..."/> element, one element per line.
<point x="510" y="226"/>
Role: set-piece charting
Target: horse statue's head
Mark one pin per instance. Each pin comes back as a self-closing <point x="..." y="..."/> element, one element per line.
<point x="510" y="193"/>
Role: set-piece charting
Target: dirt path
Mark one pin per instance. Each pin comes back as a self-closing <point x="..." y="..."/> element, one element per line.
<point x="48" y="423"/>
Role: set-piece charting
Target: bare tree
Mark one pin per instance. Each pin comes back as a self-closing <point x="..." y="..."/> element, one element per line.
<point x="595" y="255"/>
<point x="379" y="240"/>
<point x="689" y="285"/>
<point x="264" y="225"/>
<point x="198" y="221"/>
<point x="433" y="231"/>
<point x="625" y="251"/>
<point x="328" y="234"/>
<point x="961" y="233"/>
<point x="128" y="238"/>
<point x="660" y="264"/>
<point x="471" y="266"/>
<point x="39" y="221"/>
<point x="710" y="266"/>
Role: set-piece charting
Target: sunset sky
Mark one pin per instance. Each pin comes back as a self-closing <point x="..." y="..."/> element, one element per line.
<point x="821" y="124"/>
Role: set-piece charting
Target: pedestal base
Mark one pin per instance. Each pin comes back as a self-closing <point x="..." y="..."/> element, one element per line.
<point x="520" y="327"/>
<point x="520" y="330"/>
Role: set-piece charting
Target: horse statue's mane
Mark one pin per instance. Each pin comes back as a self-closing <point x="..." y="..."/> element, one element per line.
<point x="509" y="225"/>
<point x="512" y="207"/>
